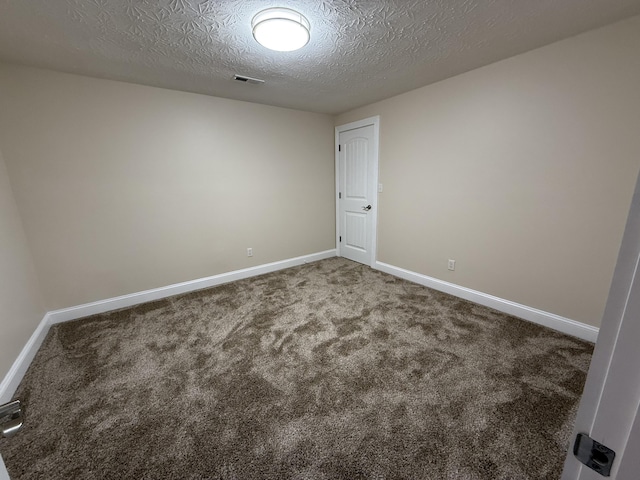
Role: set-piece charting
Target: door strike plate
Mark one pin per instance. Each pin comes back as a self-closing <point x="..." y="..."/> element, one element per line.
<point x="593" y="454"/>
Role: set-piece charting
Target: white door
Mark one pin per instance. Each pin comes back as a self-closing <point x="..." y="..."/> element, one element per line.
<point x="608" y="411"/>
<point x="630" y="467"/>
<point x="357" y="172"/>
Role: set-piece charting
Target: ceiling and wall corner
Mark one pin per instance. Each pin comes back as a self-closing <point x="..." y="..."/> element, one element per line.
<point x="55" y="142"/>
<point x="360" y="51"/>
<point x="522" y="171"/>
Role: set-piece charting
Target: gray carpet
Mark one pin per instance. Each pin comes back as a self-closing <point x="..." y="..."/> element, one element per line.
<point x="330" y="370"/>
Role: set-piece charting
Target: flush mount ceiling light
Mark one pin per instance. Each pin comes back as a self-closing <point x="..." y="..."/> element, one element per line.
<point x="281" y="29"/>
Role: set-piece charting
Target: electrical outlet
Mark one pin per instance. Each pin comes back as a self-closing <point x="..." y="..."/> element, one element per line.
<point x="249" y="252"/>
<point x="451" y="264"/>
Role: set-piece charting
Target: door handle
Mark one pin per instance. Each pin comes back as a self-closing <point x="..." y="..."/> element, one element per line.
<point x="367" y="208"/>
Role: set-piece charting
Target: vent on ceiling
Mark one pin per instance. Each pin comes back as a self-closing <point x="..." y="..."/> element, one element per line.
<point x="242" y="78"/>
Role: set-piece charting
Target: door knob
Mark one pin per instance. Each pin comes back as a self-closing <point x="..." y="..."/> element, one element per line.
<point x="367" y="208"/>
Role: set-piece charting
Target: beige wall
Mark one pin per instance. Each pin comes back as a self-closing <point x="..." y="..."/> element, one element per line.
<point x="521" y="171"/>
<point x="20" y="301"/>
<point x="123" y="188"/>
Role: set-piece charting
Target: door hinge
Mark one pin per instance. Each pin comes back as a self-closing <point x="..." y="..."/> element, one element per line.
<point x="11" y="418"/>
<point x="339" y="194"/>
<point x="340" y="238"/>
<point x="339" y="147"/>
<point x="593" y="454"/>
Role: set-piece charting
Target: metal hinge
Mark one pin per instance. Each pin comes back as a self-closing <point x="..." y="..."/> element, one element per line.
<point x="593" y="454"/>
<point x="340" y="238"/>
<point x="339" y="194"/>
<point x="339" y="148"/>
<point x="11" y="418"/>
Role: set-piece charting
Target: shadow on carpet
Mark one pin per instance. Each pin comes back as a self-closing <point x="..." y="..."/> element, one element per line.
<point x="330" y="370"/>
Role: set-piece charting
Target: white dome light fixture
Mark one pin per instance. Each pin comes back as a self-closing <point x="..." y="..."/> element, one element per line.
<point x="281" y="29"/>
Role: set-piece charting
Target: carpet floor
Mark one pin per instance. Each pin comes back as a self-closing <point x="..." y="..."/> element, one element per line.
<point x="330" y="370"/>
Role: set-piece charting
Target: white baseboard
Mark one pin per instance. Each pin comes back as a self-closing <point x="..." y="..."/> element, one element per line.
<point x="101" y="306"/>
<point x="13" y="378"/>
<point x="556" y="322"/>
<point x="11" y="381"/>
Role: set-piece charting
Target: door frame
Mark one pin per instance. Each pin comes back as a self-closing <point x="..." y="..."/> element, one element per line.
<point x="370" y="121"/>
<point x="4" y="474"/>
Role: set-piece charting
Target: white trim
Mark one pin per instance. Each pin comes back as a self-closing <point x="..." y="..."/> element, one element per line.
<point x="551" y="320"/>
<point x="116" y="303"/>
<point x="4" y="475"/>
<point x="11" y="381"/>
<point x="13" y="378"/>
<point x="375" y="122"/>
<point x="337" y="192"/>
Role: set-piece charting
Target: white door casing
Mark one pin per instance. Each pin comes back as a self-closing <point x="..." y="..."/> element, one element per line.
<point x="4" y="475"/>
<point x="609" y="407"/>
<point x="357" y="190"/>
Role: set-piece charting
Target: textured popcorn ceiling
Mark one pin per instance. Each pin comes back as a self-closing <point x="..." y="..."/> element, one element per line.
<point x="360" y="50"/>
